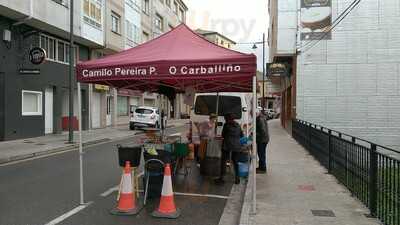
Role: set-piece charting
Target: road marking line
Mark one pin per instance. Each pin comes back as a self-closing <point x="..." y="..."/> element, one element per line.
<point x="115" y="188"/>
<point x="68" y="214"/>
<point x="109" y="191"/>
<point x="201" y="195"/>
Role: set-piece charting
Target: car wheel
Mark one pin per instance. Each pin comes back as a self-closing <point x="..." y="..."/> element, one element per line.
<point x="132" y="126"/>
<point x="157" y="125"/>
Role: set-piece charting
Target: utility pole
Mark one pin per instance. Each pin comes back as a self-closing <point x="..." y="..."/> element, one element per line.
<point x="71" y="74"/>
<point x="263" y="78"/>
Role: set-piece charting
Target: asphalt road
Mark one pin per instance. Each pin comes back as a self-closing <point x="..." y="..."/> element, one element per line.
<point x="46" y="189"/>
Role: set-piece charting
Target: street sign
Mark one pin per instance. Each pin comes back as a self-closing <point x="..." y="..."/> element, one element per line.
<point x="278" y="69"/>
<point x="37" y="55"/>
<point x="25" y="71"/>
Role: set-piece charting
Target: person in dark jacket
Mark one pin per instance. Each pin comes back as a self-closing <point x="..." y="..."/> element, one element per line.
<point x="231" y="134"/>
<point x="262" y="139"/>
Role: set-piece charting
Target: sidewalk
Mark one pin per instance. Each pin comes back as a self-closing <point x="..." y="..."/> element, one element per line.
<point x="295" y="186"/>
<point x="31" y="147"/>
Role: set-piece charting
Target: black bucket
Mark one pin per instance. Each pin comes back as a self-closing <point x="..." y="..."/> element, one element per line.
<point x="130" y="154"/>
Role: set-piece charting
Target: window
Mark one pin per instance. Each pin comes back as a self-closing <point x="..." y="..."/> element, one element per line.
<point x="134" y="4"/>
<point x="144" y="111"/>
<point x="176" y="7"/>
<point x="31" y="103"/>
<point x="206" y="104"/>
<point x="159" y="22"/>
<point x="122" y="106"/>
<point x="92" y="12"/>
<point x="168" y="3"/>
<point x="146" y="6"/>
<point x="57" y="50"/>
<point x="115" y="23"/>
<point x="62" y="2"/>
<point x="61" y="52"/>
<point x="48" y="44"/>
<point x="132" y="34"/>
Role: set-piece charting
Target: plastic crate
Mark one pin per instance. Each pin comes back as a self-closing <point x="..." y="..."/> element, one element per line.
<point x="181" y="150"/>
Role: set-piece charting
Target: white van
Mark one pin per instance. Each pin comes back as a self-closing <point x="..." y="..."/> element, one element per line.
<point x="229" y="102"/>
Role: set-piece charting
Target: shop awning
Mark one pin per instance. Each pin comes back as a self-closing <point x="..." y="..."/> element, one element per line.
<point x="177" y="59"/>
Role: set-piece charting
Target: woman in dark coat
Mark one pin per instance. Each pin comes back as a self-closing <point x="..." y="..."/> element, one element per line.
<point x="231" y="134"/>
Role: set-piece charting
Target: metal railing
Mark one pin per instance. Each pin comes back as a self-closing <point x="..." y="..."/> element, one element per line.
<point x="365" y="168"/>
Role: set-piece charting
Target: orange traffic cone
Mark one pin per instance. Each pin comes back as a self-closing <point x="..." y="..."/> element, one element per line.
<point x="127" y="201"/>
<point x="167" y="207"/>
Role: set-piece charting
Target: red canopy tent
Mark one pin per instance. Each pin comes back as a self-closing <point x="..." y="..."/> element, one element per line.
<point x="177" y="59"/>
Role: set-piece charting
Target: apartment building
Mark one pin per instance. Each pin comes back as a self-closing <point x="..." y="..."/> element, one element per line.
<point x="158" y="17"/>
<point x="34" y="99"/>
<point x="122" y="31"/>
<point x="346" y="78"/>
<point x="216" y="38"/>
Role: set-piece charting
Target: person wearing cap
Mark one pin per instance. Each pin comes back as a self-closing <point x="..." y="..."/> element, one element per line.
<point x="231" y="134"/>
<point x="206" y="131"/>
<point x="206" y="128"/>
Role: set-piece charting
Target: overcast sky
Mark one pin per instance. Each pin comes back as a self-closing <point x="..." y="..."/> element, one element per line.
<point x="239" y="20"/>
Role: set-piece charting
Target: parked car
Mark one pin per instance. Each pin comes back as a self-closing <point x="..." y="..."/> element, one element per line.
<point x="145" y="116"/>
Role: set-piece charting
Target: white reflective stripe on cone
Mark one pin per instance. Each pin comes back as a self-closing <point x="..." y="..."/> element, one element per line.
<point x="167" y="186"/>
<point x="127" y="184"/>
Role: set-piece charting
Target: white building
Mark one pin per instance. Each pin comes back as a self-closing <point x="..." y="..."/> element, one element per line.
<point x="350" y="81"/>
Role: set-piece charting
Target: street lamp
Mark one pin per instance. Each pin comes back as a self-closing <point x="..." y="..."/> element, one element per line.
<point x="263" y="75"/>
<point x="71" y="74"/>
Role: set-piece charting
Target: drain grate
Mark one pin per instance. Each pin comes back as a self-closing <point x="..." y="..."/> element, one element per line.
<point x="323" y="213"/>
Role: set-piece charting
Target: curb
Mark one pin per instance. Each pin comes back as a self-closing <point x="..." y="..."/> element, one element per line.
<point x="70" y="147"/>
<point x="62" y="149"/>
<point x="231" y="214"/>
<point x="246" y="216"/>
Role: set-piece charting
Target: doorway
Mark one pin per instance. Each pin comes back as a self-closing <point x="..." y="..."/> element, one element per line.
<point x="48" y="115"/>
<point x="96" y="103"/>
<point x="108" y="113"/>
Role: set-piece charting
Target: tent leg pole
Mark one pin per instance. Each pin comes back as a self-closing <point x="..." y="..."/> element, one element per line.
<point x="80" y="144"/>
<point x="254" y="156"/>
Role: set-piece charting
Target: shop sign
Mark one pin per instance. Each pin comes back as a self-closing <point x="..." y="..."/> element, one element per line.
<point x="126" y="92"/>
<point x="25" y="71"/>
<point x="277" y="69"/>
<point x="101" y="87"/>
<point x="37" y="55"/>
<point x="315" y="19"/>
<point x="170" y="70"/>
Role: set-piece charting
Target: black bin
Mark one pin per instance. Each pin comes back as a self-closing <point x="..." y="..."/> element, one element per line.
<point x="155" y="171"/>
<point x="131" y="154"/>
<point x="155" y="185"/>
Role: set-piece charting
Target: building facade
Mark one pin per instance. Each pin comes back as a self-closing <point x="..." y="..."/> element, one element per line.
<point x="216" y="38"/>
<point x="347" y="78"/>
<point x="282" y="35"/>
<point x="122" y="31"/>
<point x="34" y="99"/>
<point x="158" y="17"/>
